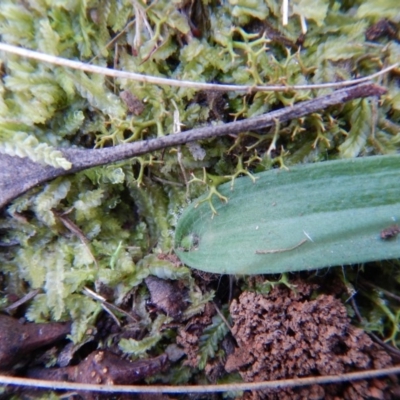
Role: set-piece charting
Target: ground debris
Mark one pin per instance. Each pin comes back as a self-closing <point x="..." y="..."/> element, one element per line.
<point x="103" y="367"/>
<point x="189" y="336"/>
<point x="166" y="296"/>
<point x="18" y="339"/>
<point x="287" y="334"/>
<point x="382" y="29"/>
<point x="133" y="104"/>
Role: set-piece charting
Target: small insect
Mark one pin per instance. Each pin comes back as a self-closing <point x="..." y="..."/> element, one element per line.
<point x="390" y="232"/>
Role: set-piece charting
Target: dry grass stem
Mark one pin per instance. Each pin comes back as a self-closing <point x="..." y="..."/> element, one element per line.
<point x="175" y="82"/>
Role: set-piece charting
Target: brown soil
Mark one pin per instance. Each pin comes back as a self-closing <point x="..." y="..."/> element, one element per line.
<point x="288" y="334"/>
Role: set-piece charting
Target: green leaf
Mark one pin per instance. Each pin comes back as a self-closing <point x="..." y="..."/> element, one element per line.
<point x="87" y="203"/>
<point x="138" y="347"/>
<point x="379" y="9"/>
<point x="163" y="269"/>
<point x="83" y="312"/>
<point x="177" y="20"/>
<point x="210" y="340"/>
<point x="251" y="8"/>
<point x="48" y="39"/>
<point x="94" y="90"/>
<point x="49" y="198"/>
<point x="24" y="145"/>
<point x="38" y="310"/>
<point x="339" y="49"/>
<point x="310" y="217"/>
<point x="55" y="285"/>
<point x="310" y="9"/>
<point x="361" y="120"/>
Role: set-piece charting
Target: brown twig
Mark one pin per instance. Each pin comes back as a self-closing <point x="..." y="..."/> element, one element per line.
<point x="374" y="337"/>
<point x="29" y="296"/>
<point x="21" y="174"/>
<point x="222" y="316"/>
<point x="379" y="289"/>
<point x="74" y="229"/>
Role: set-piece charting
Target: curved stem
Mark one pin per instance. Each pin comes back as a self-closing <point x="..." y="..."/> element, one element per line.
<point x="175" y="82"/>
<point x="230" y="387"/>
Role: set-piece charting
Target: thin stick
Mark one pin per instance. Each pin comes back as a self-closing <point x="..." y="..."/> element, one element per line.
<point x="23" y="300"/>
<point x="222" y="316"/>
<point x="175" y="82"/>
<point x="285" y="12"/>
<point x="379" y="289"/>
<point x="114" y="39"/>
<point x="303" y="24"/>
<point x="281" y="250"/>
<point x="230" y="387"/>
<point x="111" y="154"/>
<point x="378" y="340"/>
<point x="107" y="305"/>
<point x="74" y="229"/>
<point x="31" y="174"/>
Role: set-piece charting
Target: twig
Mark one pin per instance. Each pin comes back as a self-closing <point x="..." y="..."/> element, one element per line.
<point x="74" y="229"/>
<point x="222" y="316"/>
<point x="23" y="300"/>
<point x="106" y="305"/>
<point x="374" y="337"/>
<point x="111" y="154"/>
<point x="31" y="174"/>
<point x="303" y="24"/>
<point x="175" y="82"/>
<point x="114" y="39"/>
<point x="230" y="387"/>
<point x="387" y="347"/>
<point x="379" y="289"/>
<point x="285" y="12"/>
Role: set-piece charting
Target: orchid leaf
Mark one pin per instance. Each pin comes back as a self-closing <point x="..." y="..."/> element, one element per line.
<point x="312" y="216"/>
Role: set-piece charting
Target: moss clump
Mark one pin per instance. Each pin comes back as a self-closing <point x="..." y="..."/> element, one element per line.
<point x="128" y="210"/>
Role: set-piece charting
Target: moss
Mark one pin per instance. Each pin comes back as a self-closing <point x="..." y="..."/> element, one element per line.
<point x="133" y="205"/>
